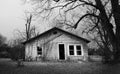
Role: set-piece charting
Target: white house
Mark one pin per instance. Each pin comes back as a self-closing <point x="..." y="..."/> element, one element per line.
<point x="56" y="44"/>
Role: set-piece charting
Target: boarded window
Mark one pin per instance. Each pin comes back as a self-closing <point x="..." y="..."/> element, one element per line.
<point x="71" y="49"/>
<point x="78" y="49"/>
<point x="39" y="50"/>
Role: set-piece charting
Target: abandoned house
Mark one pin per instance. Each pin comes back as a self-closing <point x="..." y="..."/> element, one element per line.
<point x="56" y="44"/>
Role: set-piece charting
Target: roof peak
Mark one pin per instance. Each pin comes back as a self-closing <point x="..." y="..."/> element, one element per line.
<point x="57" y="29"/>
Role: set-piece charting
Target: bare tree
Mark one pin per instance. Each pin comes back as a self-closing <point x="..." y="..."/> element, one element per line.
<point x="30" y="30"/>
<point x="28" y="26"/>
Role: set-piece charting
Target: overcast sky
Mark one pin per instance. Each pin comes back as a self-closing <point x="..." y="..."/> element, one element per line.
<point x="11" y="17"/>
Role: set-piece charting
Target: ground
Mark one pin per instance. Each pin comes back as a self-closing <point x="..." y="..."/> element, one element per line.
<point x="7" y="66"/>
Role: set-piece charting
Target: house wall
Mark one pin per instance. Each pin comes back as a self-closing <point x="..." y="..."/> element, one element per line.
<point x="49" y="43"/>
<point x="67" y="40"/>
<point x="44" y="42"/>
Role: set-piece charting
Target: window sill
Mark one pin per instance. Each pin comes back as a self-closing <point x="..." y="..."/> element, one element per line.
<point x="75" y="55"/>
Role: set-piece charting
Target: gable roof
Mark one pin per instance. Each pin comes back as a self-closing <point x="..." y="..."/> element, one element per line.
<point x="55" y="28"/>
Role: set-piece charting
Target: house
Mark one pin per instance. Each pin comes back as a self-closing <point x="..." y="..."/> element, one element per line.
<point x="56" y="44"/>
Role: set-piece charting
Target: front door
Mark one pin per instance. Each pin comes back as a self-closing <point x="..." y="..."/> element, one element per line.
<point x="61" y="52"/>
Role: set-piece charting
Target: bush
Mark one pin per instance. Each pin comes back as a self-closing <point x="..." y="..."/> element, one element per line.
<point x="4" y="51"/>
<point x="95" y="52"/>
<point x="91" y="51"/>
<point x="17" y="52"/>
<point x="4" y="54"/>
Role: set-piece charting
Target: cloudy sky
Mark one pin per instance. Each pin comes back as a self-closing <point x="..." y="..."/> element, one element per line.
<point x="11" y="16"/>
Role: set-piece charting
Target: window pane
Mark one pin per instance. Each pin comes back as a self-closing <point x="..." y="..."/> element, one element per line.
<point x="39" y="53"/>
<point x="40" y="49"/>
<point x="78" y="52"/>
<point x="78" y="47"/>
<point x="71" y="50"/>
<point x="71" y="47"/>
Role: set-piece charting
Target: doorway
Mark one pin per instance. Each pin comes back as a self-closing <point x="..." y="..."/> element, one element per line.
<point x="61" y="52"/>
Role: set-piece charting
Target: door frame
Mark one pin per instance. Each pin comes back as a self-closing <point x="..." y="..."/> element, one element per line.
<point x="59" y="51"/>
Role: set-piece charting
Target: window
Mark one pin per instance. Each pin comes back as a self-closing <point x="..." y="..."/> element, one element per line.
<point x="75" y="49"/>
<point x="71" y="49"/>
<point x="39" y="50"/>
<point x="78" y="49"/>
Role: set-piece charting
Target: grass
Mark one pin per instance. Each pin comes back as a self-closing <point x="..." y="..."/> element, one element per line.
<point x="7" y="66"/>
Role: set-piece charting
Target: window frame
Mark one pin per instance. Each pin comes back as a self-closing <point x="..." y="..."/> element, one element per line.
<point x="75" y="49"/>
<point x="78" y="50"/>
<point x="40" y="51"/>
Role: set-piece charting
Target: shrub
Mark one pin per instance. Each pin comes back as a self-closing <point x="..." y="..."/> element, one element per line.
<point x="17" y="52"/>
<point x="95" y="52"/>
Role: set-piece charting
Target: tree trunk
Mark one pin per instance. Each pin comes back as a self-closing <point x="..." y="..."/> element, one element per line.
<point x="116" y="15"/>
